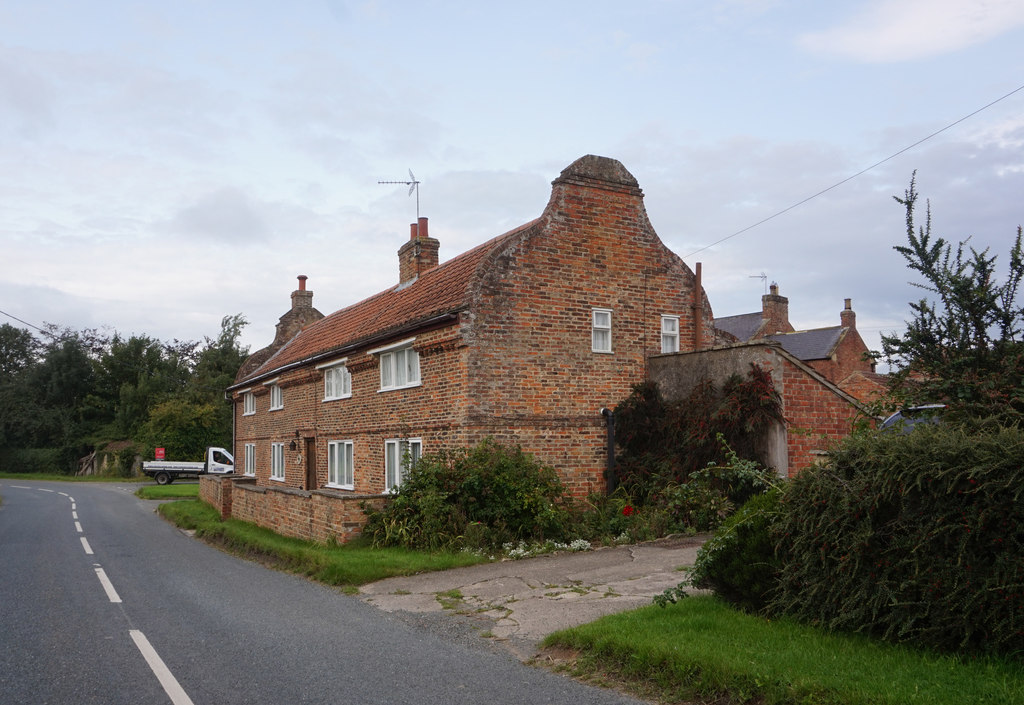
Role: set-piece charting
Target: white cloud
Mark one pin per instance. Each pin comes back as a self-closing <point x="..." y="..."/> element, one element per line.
<point x="902" y="30"/>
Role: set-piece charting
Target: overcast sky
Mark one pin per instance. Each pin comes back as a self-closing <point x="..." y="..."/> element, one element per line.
<point x="165" y="164"/>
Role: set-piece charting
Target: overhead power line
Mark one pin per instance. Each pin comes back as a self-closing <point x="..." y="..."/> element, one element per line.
<point x="854" y="176"/>
<point x="24" y="322"/>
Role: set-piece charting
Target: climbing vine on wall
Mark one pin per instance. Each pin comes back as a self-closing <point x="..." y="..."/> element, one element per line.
<point x="661" y="442"/>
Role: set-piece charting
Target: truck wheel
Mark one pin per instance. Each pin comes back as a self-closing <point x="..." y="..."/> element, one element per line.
<point x="162" y="478"/>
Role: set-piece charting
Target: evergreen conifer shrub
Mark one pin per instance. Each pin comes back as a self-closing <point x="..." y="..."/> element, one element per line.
<point x="911" y="537"/>
<point x="739" y="561"/>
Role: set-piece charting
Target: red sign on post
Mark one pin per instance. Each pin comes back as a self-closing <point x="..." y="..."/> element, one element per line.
<point x="159" y="453"/>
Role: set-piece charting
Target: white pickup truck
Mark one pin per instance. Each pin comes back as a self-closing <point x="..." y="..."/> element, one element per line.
<point x="218" y="462"/>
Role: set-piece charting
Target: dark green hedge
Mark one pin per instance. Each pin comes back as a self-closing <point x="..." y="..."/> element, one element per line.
<point x="36" y="460"/>
<point x="912" y="537"/>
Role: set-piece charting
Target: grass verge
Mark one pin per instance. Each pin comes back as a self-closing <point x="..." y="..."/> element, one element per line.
<point x="701" y="649"/>
<point x="174" y="491"/>
<point x="347" y="565"/>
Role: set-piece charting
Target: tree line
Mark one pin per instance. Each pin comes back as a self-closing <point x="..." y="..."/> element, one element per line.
<point x="66" y="393"/>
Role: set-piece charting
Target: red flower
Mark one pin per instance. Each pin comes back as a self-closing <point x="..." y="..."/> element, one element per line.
<point x="627" y="510"/>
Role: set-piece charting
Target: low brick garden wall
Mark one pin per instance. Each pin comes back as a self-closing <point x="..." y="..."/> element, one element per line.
<point x="317" y="515"/>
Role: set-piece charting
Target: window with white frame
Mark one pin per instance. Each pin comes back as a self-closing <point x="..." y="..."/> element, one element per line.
<point x="399" y="367"/>
<point x="277" y="461"/>
<point x="250" y="458"/>
<point x="248" y="404"/>
<point x="400" y="455"/>
<point x="670" y="334"/>
<point x="340" y="464"/>
<point x="337" y="382"/>
<point x="276" y="397"/>
<point x="601" y="330"/>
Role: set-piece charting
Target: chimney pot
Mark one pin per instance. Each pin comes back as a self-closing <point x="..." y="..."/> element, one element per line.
<point x="413" y="228"/>
<point x="421" y="231"/>
<point x="303" y="278"/>
<point x="848" y="305"/>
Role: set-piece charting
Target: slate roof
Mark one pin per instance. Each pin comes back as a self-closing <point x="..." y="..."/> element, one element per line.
<point x="743" y="326"/>
<point x="443" y="290"/>
<point x="817" y="344"/>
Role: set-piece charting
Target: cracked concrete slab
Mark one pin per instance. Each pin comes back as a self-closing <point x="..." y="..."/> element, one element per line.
<point x="522" y="601"/>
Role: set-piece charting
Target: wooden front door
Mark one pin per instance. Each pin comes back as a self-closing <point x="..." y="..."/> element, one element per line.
<point x="311" y="483"/>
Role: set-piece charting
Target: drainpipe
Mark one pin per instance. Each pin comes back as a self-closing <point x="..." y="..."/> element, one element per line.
<point x="698" y="311"/>
<point x="609" y="473"/>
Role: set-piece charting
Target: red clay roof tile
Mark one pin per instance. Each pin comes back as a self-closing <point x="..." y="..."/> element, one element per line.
<point x="441" y="290"/>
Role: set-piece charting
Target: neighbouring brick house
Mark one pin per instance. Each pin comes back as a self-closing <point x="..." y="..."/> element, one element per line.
<point x="838" y="353"/>
<point x="523" y="338"/>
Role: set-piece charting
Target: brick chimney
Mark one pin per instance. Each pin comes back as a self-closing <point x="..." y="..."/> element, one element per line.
<point x="417" y="255"/>
<point x="301" y="314"/>
<point x="775" y="312"/>
<point x="847" y="317"/>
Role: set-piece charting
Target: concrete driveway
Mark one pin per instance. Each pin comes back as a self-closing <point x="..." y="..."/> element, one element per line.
<point x="517" y="603"/>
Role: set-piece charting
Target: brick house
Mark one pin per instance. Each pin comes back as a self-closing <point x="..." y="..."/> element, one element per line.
<point x="523" y="338"/>
<point x="837" y="353"/>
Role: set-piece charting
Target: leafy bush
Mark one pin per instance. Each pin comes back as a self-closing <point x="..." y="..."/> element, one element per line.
<point x="481" y="497"/>
<point x="34" y="460"/>
<point x="739" y="561"/>
<point x="914" y="537"/>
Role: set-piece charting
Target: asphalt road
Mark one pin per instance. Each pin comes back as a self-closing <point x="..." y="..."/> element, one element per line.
<point x="102" y="601"/>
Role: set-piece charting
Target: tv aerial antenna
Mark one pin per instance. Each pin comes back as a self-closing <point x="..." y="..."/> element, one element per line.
<point x="414" y="185"/>
<point x="764" y="279"/>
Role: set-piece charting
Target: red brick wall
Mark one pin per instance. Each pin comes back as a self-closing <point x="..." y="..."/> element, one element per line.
<point x="532" y="369"/>
<point x="816" y="417"/>
<point x="316" y="516"/>
<point x="433" y="412"/>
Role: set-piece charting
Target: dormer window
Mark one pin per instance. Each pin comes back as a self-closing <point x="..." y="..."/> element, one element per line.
<point x="399" y="366"/>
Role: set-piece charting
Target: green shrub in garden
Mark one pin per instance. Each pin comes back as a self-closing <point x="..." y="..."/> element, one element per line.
<point x="482" y="497"/>
<point x="911" y="537"/>
<point x="739" y="561"/>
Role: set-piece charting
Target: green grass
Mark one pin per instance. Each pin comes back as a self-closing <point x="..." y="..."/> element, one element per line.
<point x="348" y="565"/>
<point x="702" y="649"/>
<point x="174" y="491"/>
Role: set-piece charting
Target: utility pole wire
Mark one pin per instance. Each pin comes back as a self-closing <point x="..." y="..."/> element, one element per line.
<point x="854" y="176"/>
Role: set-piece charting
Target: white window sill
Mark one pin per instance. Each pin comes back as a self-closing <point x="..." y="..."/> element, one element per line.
<point x="350" y="488"/>
<point x="343" y="396"/>
<point x="276" y="408"/>
<point x="248" y="413"/>
<point x="277" y="479"/>
<point x="395" y="389"/>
